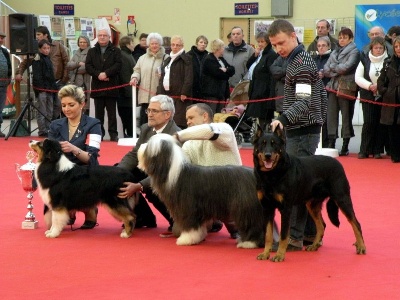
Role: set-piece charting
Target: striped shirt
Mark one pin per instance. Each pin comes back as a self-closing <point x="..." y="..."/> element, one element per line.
<point x="303" y="113"/>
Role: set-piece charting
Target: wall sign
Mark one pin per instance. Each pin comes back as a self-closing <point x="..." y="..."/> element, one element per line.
<point x="247" y="8"/>
<point x="64" y="9"/>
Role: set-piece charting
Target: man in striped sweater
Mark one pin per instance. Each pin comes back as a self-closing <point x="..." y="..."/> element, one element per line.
<point x="304" y="109"/>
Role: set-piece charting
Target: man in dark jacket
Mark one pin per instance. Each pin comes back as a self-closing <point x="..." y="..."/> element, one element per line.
<point x="323" y="29"/>
<point x="103" y="63"/>
<point x="160" y="113"/>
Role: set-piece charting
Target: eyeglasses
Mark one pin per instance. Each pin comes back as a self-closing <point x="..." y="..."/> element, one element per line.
<point x="176" y="45"/>
<point x="153" y="111"/>
<point x="320" y="46"/>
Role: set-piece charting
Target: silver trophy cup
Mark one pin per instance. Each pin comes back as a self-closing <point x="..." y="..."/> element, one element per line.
<point x="26" y="176"/>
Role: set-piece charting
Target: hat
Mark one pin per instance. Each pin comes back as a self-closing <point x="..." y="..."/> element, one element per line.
<point x="102" y="24"/>
<point x="2" y="34"/>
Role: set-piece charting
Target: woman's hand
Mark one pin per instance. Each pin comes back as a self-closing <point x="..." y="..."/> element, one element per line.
<point x="67" y="147"/>
<point x="133" y="81"/>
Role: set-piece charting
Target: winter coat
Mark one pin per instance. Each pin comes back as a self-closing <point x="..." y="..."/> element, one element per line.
<point x="42" y="74"/>
<point x="128" y="63"/>
<point x="389" y="88"/>
<point x="180" y="83"/>
<point x="320" y="61"/>
<point x="77" y="73"/>
<point x="145" y="71"/>
<point x="341" y="65"/>
<point x="197" y="62"/>
<point x="262" y="84"/>
<point x="238" y="60"/>
<point x="110" y="63"/>
<point x="313" y="50"/>
<point x="278" y="72"/>
<point x="215" y="81"/>
<point x="138" y="51"/>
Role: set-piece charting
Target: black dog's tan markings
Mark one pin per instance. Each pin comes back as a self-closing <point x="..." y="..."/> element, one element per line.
<point x="284" y="180"/>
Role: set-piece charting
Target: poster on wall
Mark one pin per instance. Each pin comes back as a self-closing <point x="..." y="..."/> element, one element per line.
<point x="56" y="27"/>
<point x="300" y="33"/>
<point x="69" y="26"/>
<point x="87" y="27"/>
<point x="367" y="16"/>
<point x="45" y="21"/>
<point x="261" y="25"/>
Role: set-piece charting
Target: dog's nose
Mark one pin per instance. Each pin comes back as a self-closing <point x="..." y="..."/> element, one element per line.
<point x="268" y="155"/>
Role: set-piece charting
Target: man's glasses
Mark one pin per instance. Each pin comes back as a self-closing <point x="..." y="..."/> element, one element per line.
<point x="153" y="111"/>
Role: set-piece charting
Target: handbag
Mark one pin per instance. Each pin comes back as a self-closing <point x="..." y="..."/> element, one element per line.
<point x="346" y="86"/>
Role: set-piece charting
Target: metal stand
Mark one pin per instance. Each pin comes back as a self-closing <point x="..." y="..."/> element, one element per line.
<point x="27" y="107"/>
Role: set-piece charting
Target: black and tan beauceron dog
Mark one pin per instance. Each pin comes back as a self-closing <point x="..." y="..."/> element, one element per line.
<point x="285" y="180"/>
<point x="194" y="194"/>
<point x="65" y="186"/>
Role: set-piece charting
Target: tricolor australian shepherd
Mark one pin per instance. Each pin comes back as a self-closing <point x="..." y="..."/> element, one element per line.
<point x="65" y="186"/>
<point x="285" y="180"/>
<point x="194" y="194"/>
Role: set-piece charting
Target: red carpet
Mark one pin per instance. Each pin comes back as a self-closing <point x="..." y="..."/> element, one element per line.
<point x="98" y="264"/>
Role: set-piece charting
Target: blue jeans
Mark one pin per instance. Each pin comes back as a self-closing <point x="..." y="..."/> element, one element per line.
<point x="303" y="145"/>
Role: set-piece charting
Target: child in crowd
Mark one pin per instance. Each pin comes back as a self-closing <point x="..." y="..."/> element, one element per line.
<point x="44" y="85"/>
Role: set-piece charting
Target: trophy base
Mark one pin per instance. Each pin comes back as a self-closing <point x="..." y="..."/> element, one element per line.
<point x="30" y="225"/>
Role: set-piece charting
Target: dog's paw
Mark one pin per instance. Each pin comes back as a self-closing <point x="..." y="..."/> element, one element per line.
<point x="313" y="247"/>
<point x="52" y="234"/>
<point x="247" y="245"/>
<point x="263" y="256"/>
<point x="125" y="235"/>
<point x="278" y="258"/>
<point x="360" y="249"/>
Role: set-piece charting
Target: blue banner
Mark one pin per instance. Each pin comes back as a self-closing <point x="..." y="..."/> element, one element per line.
<point x="368" y="16"/>
<point x="64" y="9"/>
<point x="246" y="8"/>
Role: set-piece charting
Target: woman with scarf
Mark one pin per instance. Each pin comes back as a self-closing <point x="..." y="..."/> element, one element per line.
<point x="366" y="77"/>
<point x="77" y="70"/>
<point x="176" y="79"/>
<point x="262" y="84"/>
<point x="389" y="88"/>
<point x="341" y="67"/>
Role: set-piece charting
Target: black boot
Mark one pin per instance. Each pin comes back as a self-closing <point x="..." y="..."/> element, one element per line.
<point x="331" y="143"/>
<point x="345" y="147"/>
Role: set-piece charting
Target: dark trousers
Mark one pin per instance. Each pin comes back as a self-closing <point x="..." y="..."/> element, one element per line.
<point x="143" y="211"/>
<point x="143" y="115"/>
<point x="372" y="132"/>
<point x="126" y="116"/>
<point x="394" y="140"/>
<point x="109" y="103"/>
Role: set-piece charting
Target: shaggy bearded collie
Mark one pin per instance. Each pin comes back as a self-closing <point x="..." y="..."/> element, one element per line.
<point x="194" y="194"/>
<point x="65" y="186"/>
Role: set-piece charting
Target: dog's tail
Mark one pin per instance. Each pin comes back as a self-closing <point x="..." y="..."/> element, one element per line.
<point x="333" y="212"/>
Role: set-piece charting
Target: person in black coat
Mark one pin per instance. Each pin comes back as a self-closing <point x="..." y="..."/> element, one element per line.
<point x="124" y="102"/>
<point x="216" y="73"/>
<point x="103" y="63"/>
<point x="321" y="57"/>
<point x="198" y="54"/>
<point x="262" y="84"/>
<point x="140" y="48"/>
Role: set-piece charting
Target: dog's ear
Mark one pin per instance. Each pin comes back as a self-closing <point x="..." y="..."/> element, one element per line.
<point x="259" y="132"/>
<point x="280" y="132"/>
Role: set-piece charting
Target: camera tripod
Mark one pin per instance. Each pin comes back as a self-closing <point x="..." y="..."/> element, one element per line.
<point x="28" y="107"/>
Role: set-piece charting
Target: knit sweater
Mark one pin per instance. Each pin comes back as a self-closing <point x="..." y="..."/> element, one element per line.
<point x="211" y="144"/>
<point x="303" y="114"/>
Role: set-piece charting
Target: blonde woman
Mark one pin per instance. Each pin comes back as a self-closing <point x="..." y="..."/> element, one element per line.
<point x="216" y="73"/>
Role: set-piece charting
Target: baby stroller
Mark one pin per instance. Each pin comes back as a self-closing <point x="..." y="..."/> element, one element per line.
<point x="235" y="110"/>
